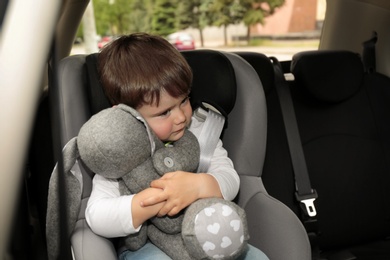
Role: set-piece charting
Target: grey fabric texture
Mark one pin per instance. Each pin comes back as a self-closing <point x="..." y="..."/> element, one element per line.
<point x="110" y="138"/>
<point x="72" y="198"/>
<point x="173" y="248"/>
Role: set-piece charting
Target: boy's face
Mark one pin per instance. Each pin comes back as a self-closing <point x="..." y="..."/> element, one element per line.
<point x="169" y="119"/>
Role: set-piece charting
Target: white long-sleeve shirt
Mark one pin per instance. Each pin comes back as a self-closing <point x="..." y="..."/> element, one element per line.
<point x="109" y="214"/>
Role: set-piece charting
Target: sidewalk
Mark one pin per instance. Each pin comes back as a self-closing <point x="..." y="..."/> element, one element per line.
<point x="282" y="49"/>
<point x="281" y="53"/>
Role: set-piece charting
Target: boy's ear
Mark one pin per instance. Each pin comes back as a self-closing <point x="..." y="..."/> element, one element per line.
<point x="152" y="137"/>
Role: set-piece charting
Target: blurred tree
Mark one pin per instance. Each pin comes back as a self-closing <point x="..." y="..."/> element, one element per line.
<point x="205" y="15"/>
<point x="105" y="16"/>
<point x="163" y="20"/>
<point x="122" y="13"/>
<point x="255" y="11"/>
<point x="163" y="17"/>
<point x="185" y="14"/>
<point x="196" y="14"/>
<point x="222" y="15"/>
<point x="141" y="16"/>
<point x="188" y="15"/>
<point x="112" y="16"/>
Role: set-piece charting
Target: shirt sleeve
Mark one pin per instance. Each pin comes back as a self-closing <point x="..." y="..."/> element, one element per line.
<point x="109" y="214"/>
<point x="221" y="166"/>
<point x="222" y="169"/>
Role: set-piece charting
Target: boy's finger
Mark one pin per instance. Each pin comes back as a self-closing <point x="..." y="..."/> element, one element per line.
<point x="159" y="184"/>
<point x="153" y="200"/>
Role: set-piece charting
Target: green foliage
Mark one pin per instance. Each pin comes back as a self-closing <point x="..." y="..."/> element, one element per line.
<point x="163" y="17"/>
<point x="104" y="16"/>
<point x="141" y="16"/>
<point x="257" y="10"/>
<point x="163" y="20"/>
<point x="206" y="13"/>
<point x="184" y="15"/>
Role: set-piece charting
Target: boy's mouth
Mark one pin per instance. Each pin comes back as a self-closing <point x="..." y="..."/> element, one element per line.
<point x="179" y="131"/>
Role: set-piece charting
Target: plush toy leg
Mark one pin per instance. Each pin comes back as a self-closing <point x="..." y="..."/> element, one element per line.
<point x="215" y="229"/>
<point x="172" y="245"/>
<point x="167" y="224"/>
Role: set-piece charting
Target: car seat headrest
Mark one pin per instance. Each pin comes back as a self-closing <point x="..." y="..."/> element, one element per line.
<point x="214" y="80"/>
<point x="329" y="76"/>
<point x="263" y="66"/>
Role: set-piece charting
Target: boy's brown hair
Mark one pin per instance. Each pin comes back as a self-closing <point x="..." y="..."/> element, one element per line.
<point x="135" y="68"/>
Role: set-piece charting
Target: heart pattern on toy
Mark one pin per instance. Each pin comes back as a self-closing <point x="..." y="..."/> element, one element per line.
<point x="208" y="246"/>
<point x="219" y="229"/>
<point x="209" y="211"/>
<point x="214" y="228"/>
<point x="226" y="242"/>
<point x="235" y="224"/>
<point x="226" y="210"/>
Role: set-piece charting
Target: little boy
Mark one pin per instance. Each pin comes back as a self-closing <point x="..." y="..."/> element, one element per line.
<point x="147" y="73"/>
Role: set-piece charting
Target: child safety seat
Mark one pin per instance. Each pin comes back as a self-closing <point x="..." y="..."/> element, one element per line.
<point x="226" y="82"/>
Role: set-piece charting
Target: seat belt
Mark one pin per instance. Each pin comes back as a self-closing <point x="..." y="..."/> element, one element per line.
<point x="305" y="194"/>
<point x="369" y="54"/>
<point x="209" y="135"/>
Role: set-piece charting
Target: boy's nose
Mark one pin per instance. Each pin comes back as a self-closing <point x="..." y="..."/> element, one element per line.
<point x="180" y="117"/>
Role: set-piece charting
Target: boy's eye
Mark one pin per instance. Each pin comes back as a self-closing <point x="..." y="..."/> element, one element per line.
<point x="165" y="113"/>
<point x="185" y="100"/>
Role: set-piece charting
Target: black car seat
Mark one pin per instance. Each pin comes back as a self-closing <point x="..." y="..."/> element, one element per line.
<point x="342" y="115"/>
<point x="228" y="82"/>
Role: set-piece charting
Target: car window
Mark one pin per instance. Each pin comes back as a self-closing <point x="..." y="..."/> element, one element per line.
<point x="290" y="28"/>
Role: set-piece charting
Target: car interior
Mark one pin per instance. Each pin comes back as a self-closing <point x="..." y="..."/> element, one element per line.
<point x="309" y="137"/>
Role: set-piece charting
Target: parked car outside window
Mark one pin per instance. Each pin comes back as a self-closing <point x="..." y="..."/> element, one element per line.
<point x="182" y="41"/>
<point x="104" y="40"/>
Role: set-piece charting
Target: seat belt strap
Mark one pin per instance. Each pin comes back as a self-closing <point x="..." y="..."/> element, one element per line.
<point x="209" y="135"/>
<point x="304" y="193"/>
<point x="369" y="54"/>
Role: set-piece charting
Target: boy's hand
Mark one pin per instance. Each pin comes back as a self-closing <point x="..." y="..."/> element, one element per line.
<point x="180" y="189"/>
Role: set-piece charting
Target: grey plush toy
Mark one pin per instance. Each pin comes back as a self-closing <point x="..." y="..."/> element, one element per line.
<point x="117" y="143"/>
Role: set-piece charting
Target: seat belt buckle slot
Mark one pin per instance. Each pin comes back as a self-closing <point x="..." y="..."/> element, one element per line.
<point x="308" y="202"/>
